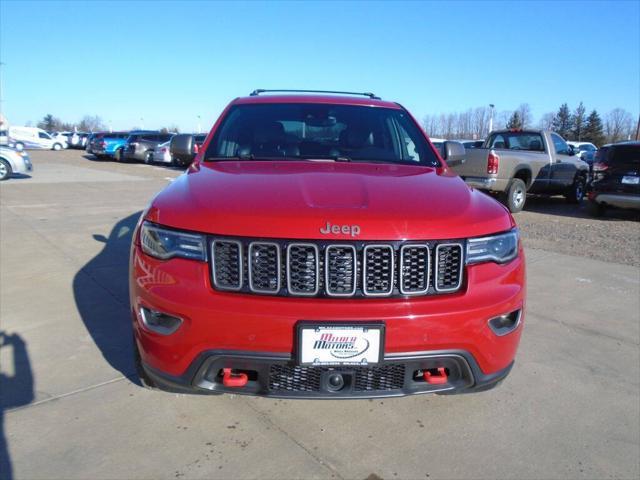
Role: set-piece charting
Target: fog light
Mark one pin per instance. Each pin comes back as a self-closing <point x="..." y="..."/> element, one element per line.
<point x="159" y="322"/>
<point x="506" y="323"/>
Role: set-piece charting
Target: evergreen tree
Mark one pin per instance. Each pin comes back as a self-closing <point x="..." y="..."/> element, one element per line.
<point x="49" y="123"/>
<point x="562" y="121"/>
<point x="578" y="122"/>
<point x="515" y="121"/>
<point x="593" y="130"/>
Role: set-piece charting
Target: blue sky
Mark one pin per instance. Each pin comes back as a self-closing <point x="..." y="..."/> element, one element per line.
<point x="168" y="62"/>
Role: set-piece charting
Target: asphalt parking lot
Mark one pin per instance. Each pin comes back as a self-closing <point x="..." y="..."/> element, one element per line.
<point x="71" y="408"/>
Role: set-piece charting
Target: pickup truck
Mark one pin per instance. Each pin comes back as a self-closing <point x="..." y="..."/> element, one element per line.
<point x="513" y="163"/>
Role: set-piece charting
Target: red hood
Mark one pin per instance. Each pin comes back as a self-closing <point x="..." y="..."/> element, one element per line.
<point x="296" y="199"/>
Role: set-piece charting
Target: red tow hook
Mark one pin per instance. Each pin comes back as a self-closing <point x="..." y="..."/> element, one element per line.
<point x="234" y="380"/>
<point x="439" y="378"/>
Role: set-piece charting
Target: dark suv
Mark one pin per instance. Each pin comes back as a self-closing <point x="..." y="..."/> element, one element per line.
<point x="140" y="145"/>
<point x="616" y="177"/>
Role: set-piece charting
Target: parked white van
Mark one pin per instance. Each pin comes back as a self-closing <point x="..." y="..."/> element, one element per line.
<point x="31" y="137"/>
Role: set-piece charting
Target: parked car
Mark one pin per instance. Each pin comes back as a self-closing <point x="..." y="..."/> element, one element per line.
<point x="13" y="161"/>
<point x="162" y="153"/>
<point x="140" y="146"/>
<point x="110" y="145"/>
<point x="616" y="178"/>
<point x="36" y="138"/>
<point x="512" y="163"/>
<point x="319" y="247"/>
<point x="92" y="141"/>
<point x="78" y="139"/>
<point x="583" y="150"/>
<point x="471" y="143"/>
<point x="7" y="141"/>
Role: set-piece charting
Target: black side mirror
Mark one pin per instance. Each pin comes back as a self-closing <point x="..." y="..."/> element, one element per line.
<point x="454" y="153"/>
<point x="182" y="148"/>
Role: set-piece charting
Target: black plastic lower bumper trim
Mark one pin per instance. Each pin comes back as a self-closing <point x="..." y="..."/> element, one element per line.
<point x="294" y="381"/>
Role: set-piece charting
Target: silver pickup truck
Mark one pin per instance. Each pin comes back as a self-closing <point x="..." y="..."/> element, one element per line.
<point x="513" y="163"/>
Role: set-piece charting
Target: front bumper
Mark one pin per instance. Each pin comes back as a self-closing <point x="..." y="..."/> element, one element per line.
<point x="217" y="325"/>
<point x="277" y="375"/>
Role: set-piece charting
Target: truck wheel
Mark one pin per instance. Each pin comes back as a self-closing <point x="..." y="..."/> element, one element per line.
<point x="596" y="209"/>
<point x="575" y="194"/>
<point x="5" y="170"/>
<point x="57" y="146"/>
<point x="19" y="146"/>
<point x="516" y="195"/>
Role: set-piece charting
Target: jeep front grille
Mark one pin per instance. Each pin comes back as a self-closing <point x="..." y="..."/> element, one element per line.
<point x="354" y="269"/>
<point x="448" y="267"/>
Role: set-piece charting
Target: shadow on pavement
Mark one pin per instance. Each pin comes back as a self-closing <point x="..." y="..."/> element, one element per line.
<point x="16" y="389"/>
<point x="101" y="291"/>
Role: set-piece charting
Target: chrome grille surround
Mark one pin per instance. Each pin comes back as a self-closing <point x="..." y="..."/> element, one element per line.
<point x="366" y="267"/>
<point x="438" y="266"/>
<point x="407" y="274"/>
<point x="335" y="266"/>
<point x="347" y="269"/>
<point x="255" y="264"/>
<point x="217" y="273"/>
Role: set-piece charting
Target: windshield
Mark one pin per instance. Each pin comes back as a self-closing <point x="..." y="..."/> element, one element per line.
<point x="319" y="131"/>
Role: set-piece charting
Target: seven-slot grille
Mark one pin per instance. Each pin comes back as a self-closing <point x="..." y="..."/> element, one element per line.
<point x="336" y="270"/>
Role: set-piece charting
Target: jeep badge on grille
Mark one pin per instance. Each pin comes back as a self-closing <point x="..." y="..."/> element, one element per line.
<point x="353" y="230"/>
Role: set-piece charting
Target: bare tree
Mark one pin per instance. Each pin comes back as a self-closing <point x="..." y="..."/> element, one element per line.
<point x="618" y="125"/>
<point x="524" y="112"/>
<point x="546" y="121"/>
<point x="91" y="124"/>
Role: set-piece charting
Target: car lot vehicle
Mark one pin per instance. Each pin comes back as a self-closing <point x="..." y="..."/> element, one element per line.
<point x="318" y="247"/>
<point x="162" y="153"/>
<point x="583" y="150"/>
<point x="13" y="161"/>
<point x="616" y="178"/>
<point x="78" y="139"/>
<point x="139" y="146"/>
<point x="36" y="138"/>
<point x="513" y="163"/>
<point x="7" y="141"/>
<point x="92" y="141"/>
<point x="471" y="143"/>
<point x="110" y="145"/>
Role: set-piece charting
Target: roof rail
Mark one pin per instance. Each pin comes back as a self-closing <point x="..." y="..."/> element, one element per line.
<point x="257" y="92"/>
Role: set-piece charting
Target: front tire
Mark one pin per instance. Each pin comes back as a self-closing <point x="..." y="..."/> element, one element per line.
<point x="148" y="158"/>
<point x="575" y="194"/>
<point x="19" y="146"/>
<point x="5" y="170"/>
<point x="57" y="147"/>
<point x="516" y="195"/>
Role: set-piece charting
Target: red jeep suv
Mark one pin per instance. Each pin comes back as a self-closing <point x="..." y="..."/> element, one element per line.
<point x="319" y="247"/>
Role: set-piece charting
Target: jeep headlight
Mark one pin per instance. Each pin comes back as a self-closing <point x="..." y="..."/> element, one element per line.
<point x="500" y="248"/>
<point x="163" y="243"/>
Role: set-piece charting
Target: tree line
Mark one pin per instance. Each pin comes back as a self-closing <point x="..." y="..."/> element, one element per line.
<point x="618" y="124"/>
<point x="88" y="123"/>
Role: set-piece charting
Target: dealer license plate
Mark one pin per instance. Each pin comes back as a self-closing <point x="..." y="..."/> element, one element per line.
<point x="630" y="180"/>
<point x="331" y="344"/>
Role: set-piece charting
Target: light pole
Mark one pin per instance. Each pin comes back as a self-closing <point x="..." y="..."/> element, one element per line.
<point x="491" y="107"/>
<point x="198" y="123"/>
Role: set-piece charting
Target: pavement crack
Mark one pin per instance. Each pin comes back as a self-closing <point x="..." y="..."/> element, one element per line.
<point x="67" y="394"/>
